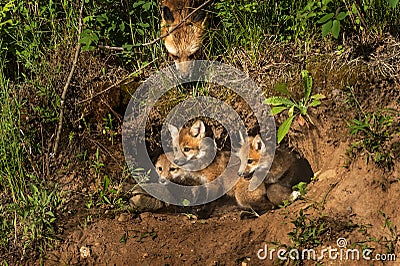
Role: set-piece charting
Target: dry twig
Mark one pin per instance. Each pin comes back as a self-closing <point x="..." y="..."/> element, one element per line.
<point x="66" y="86"/>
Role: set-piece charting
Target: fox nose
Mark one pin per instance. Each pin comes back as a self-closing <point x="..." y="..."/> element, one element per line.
<point x="184" y="75"/>
<point x="179" y="162"/>
<point x="162" y="181"/>
<point x="184" y="68"/>
<point x="241" y="174"/>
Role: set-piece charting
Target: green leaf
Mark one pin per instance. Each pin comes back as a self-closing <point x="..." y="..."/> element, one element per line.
<point x="326" y="28"/>
<point x="307" y="84"/>
<point x="315" y="103"/>
<point x="276" y="101"/>
<point x="282" y="87"/>
<point x="186" y="202"/>
<point x="284" y="128"/>
<point x="336" y="28"/>
<point x="341" y="16"/>
<point x="325" y="18"/>
<point x="393" y="3"/>
<point x="138" y="3"/>
<point x="278" y="109"/>
<point x="291" y="111"/>
<point x="318" y="96"/>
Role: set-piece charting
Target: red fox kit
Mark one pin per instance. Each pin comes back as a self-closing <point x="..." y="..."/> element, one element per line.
<point x="184" y="42"/>
<point x="167" y="170"/>
<point x="197" y="153"/>
<point x="286" y="170"/>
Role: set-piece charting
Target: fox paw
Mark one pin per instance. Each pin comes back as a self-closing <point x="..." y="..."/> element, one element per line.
<point x="245" y="215"/>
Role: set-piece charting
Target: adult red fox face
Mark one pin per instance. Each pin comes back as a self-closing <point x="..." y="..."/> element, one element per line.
<point x="184" y="42"/>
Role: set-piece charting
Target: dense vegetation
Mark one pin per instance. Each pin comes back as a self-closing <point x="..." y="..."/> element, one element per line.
<point x="38" y="40"/>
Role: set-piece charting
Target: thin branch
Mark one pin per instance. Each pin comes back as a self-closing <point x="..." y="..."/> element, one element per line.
<point x="66" y="86"/>
<point x="360" y="16"/>
<point x="114" y="48"/>
<point x="118" y="83"/>
<point x="177" y="25"/>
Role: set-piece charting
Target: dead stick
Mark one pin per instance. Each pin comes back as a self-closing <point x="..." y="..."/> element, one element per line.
<point x="177" y="25"/>
<point x="114" y="48"/>
<point x="64" y="93"/>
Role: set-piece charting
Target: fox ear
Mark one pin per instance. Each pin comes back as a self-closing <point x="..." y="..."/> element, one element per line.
<point x="173" y="130"/>
<point x="258" y="144"/>
<point x="167" y="14"/>
<point x="198" y="129"/>
<point x="241" y="139"/>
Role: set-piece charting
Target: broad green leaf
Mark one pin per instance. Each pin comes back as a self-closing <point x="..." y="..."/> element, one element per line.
<point x="284" y="128"/>
<point x="393" y="3"/>
<point x="326" y="28"/>
<point x="341" y="16"/>
<point x="318" y="96"/>
<point x="282" y="87"/>
<point x="278" y="109"/>
<point x="315" y="103"/>
<point x="336" y="28"/>
<point x="325" y="18"/>
<point x="276" y="100"/>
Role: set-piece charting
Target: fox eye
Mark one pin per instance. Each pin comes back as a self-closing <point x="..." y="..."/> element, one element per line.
<point x="186" y="149"/>
<point x="191" y="57"/>
<point x="249" y="161"/>
<point x="174" y="57"/>
<point x="160" y="169"/>
<point x="172" y="169"/>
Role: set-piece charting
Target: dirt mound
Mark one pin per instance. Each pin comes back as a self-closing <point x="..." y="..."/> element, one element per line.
<point x="348" y="199"/>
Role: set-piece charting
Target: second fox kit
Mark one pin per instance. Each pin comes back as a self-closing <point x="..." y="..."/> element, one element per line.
<point x="168" y="170"/>
<point x="286" y="170"/>
<point x="184" y="42"/>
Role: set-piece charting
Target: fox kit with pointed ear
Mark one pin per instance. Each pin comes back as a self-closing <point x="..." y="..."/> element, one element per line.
<point x="184" y="42"/>
<point x="192" y="148"/>
<point x="285" y="172"/>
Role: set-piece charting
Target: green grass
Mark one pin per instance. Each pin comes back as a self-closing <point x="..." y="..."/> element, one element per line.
<point x="29" y="210"/>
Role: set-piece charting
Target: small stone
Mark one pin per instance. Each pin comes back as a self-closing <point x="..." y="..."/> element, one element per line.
<point x="85" y="252"/>
<point x="123" y="217"/>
